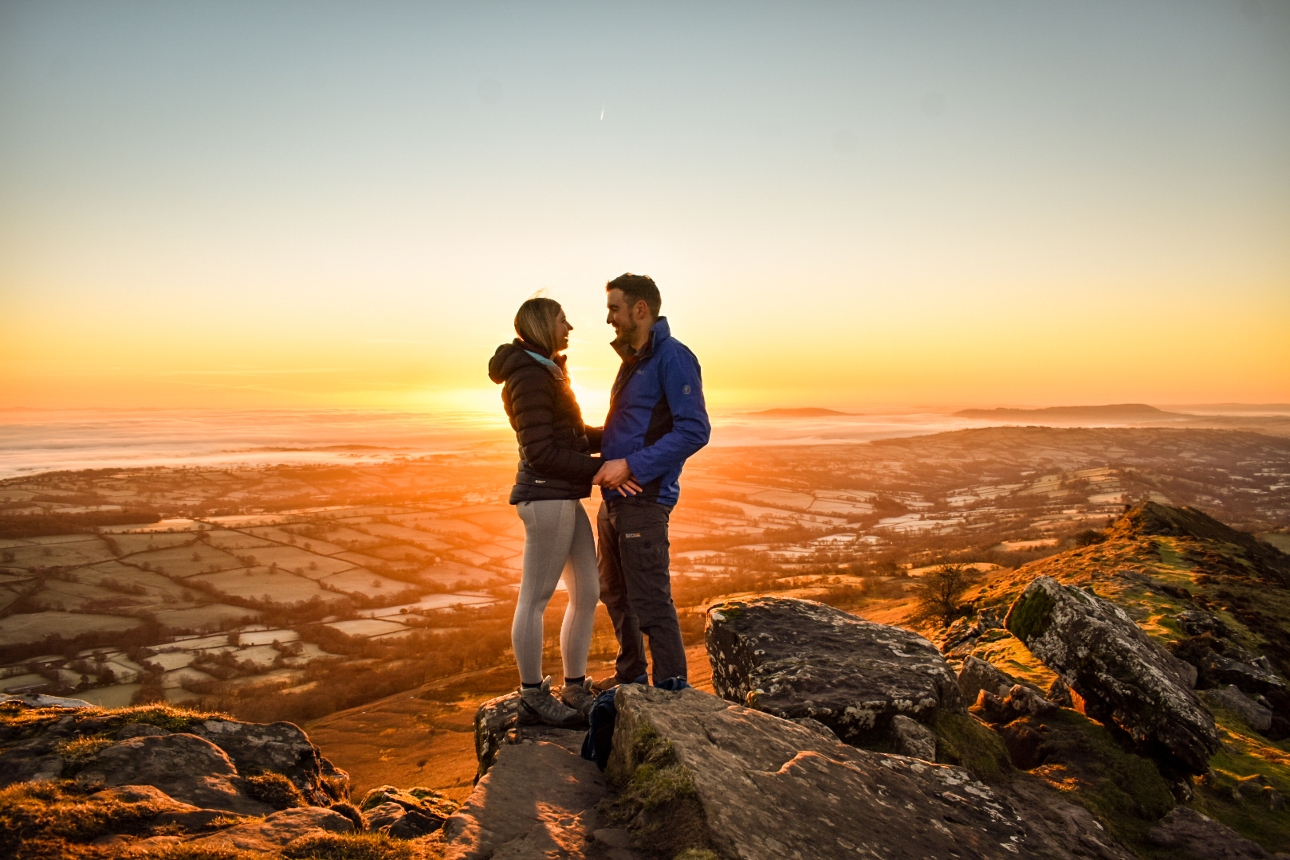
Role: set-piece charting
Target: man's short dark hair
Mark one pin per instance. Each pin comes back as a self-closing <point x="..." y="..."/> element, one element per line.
<point x="638" y="288"/>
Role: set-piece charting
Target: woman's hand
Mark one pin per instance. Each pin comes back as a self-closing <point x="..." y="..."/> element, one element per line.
<point x="617" y="475"/>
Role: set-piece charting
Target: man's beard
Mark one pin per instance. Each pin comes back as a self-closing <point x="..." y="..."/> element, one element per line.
<point x="627" y="332"/>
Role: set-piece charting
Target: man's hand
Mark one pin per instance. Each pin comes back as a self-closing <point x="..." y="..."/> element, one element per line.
<point x="617" y="475"/>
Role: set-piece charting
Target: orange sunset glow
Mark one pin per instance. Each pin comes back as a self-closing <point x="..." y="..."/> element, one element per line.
<point x="844" y="207"/>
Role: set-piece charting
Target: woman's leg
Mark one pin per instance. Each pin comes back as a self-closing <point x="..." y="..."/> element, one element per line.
<point x="584" y="593"/>
<point x="548" y="532"/>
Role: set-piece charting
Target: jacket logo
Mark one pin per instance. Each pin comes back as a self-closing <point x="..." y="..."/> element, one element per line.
<point x="632" y="534"/>
<point x="539" y="480"/>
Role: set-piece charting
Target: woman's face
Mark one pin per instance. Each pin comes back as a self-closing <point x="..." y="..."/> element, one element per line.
<point x="562" y="329"/>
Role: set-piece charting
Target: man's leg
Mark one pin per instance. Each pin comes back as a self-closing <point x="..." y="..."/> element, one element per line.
<point x="644" y="553"/>
<point x="630" y="664"/>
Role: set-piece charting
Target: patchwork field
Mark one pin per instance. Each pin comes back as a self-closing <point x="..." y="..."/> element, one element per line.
<point x="377" y="579"/>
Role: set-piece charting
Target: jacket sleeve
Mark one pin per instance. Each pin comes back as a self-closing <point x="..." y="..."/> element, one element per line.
<point x="533" y="410"/>
<point x="683" y="388"/>
<point x="594" y="435"/>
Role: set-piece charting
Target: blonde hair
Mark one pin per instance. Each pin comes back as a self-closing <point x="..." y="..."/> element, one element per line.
<point x="535" y="323"/>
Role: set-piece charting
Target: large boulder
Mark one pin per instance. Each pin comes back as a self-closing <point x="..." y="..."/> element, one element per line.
<point x="278" y="748"/>
<point x="798" y="658"/>
<point x="187" y="768"/>
<point x="709" y="774"/>
<point x="36" y="745"/>
<point x="1120" y="673"/>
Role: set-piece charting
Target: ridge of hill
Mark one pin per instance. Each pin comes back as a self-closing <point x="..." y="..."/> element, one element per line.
<point x="1111" y="412"/>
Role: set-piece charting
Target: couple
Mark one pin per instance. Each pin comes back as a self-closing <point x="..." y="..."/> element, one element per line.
<point x="656" y="420"/>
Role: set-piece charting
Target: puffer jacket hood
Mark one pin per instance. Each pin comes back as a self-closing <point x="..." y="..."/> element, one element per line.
<point x="510" y="357"/>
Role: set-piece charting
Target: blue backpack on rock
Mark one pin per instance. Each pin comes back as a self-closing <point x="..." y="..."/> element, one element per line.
<point x="599" y="742"/>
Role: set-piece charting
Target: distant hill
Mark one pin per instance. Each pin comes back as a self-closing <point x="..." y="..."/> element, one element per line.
<point x="1114" y="412"/>
<point x="1235" y="407"/>
<point x="805" y="412"/>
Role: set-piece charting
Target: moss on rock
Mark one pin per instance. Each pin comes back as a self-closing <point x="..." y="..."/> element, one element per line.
<point x="963" y="740"/>
<point x="1029" y="616"/>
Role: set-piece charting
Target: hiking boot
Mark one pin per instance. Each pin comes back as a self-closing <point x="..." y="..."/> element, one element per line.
<point x="540" y="706"/>
<point x="606" y="684"/>
<point x="580" y="697"/>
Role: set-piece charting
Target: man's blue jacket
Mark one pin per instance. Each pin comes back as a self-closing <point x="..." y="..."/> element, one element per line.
<point x="657" y="417"/>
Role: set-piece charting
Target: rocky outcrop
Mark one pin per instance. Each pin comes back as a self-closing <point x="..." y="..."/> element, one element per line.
<point x="168" y="777"/>
<point x="798" y="658"/>
<point x="703" y="773"/>
<point x="187" y="768"/>
<point x="405" y="813"/>
<point x="1222" y="662"/>
<point x="277" y="748"/>
<point x="48" y="744"/>
<point x="1232" y="699"/>
<point x="1119" y="672"/>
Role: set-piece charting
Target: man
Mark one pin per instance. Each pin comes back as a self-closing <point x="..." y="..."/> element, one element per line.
<point x="657" y="419"/>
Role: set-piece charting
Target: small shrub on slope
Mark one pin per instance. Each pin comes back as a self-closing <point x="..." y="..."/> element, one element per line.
<point x="939" y="594"/>
<point x="274" y="789"/>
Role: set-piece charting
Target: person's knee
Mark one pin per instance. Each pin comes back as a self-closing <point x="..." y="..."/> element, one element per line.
<point x="661" y="620"/>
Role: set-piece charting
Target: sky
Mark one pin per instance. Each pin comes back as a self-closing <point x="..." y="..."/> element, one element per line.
<point x="277" y="205"/>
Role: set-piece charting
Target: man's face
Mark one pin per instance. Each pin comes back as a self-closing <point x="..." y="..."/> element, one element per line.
<point x="625" y="319"/>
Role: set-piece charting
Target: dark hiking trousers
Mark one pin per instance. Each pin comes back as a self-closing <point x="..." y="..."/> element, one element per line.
<point x="636" y="587"/>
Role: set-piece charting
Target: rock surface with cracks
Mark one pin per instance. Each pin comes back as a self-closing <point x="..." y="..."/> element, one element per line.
<point x="798" y="658"/>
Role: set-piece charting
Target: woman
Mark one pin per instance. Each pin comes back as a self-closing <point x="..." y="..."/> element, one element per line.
<point x="555" y="473"/>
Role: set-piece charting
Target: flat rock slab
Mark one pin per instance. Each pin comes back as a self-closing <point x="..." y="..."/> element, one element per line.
<point x="537" y="801"/>
<point x="771" y="788"/>
<point x="798" y="658"/>
<point x="1122" y="675"/>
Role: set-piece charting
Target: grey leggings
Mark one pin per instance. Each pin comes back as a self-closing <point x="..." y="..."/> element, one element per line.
<point x="557" y="540"/>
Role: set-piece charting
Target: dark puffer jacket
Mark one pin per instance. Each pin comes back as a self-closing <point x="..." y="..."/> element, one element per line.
<point x="555" y="446"/>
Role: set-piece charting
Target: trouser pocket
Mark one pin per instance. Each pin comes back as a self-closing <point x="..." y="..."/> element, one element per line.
<point x="645" y="549"/>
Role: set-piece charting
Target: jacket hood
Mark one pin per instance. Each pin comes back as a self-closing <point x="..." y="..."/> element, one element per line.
<point x="510" y="357"/>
